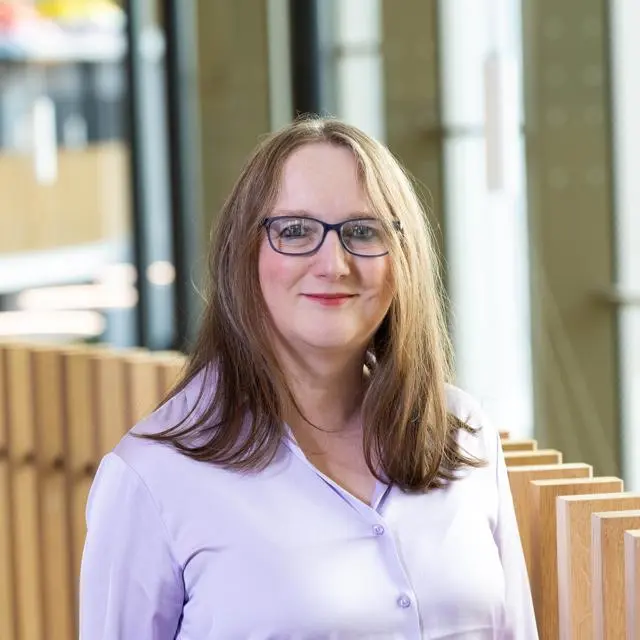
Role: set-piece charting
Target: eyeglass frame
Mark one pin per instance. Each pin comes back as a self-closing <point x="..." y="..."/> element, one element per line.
<point x="326" y="227"/>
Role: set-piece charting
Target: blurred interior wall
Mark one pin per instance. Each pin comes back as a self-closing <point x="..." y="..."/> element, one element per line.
<point x="233" y="53"/>
<point x="569" y="174"/>
<point x="412" y="97"/>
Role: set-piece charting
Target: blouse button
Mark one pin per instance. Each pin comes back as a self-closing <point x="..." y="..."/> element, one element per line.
<point x="404" y="602"/>
<point x="378" y="530"/>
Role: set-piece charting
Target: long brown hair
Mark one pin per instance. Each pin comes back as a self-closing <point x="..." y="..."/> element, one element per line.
<point x="239" y="423"/>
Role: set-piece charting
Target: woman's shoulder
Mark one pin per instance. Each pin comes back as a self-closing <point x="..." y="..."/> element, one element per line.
<point x="150" y="459"/>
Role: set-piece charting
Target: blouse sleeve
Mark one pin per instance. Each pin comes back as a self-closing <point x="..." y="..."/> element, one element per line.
<point x="130" y="585"/>
<point x="520" y="622"/>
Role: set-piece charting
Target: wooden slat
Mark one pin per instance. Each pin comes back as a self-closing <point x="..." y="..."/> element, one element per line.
<point x="541" y="456"/>
<point x="4" y="427"/>
<point x="25" y="507"/>
<point x="608" y="593"/>
<point x="79" y="408"/>
<point x="20" y="403"/>
<point x="59" y="594"/>
<point x="544" y="577"/>
<point x="574" y="557"/>
<point x="112" y="417"/>
<point x="520" y="479"/>
<point x="27" y="550"/>
<point x="7" y="588"/>
<point x="48" y="406"/>
<point x="504" y="435"/>
<point x="80" y="413"/>
<point x="143" y="386"/>
<point x="56" y="561"/>
<point x="632" y="582"/>
<point x="519" y="445"/>
<point x="170" y="371"/>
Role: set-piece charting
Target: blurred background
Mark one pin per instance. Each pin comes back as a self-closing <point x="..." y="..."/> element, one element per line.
<point x="124" y="124"/>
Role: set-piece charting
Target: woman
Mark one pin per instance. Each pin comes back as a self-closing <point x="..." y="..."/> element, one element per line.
<point x="312" y="476"/>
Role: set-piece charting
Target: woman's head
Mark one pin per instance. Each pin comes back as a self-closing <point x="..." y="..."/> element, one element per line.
<point x="312" y="173"/>
<point x="333" y="172"/>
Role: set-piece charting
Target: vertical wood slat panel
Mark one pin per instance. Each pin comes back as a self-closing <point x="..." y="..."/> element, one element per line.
<point x="56" y="561"/>
<point x="7" y="588"/>
<point x="544" y="578"/>
<point x="574" y="557"/>
<point x="25" y="506"/>
<point x="79" y="401"/>
<point x="520" y="479"/>
<point x="111" y="414"/>
<point x="632" y="582"/>
<point x="26" y="539"/>
<point x="143" y="386"/>
<point x="20" y="403"/>
<point x="171" y="368"/>
<point x="607" y="554"/>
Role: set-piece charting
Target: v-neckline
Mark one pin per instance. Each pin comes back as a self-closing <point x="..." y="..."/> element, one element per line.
<point x="380" y="489"/>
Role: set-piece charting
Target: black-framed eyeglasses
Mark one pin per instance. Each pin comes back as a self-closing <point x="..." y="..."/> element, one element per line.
<point x="303" y="236"/>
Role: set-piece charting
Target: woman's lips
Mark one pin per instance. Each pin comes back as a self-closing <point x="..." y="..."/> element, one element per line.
<point x="329" y="299"/>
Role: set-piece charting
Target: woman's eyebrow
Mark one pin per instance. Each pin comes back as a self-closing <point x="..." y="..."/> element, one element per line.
<point x="301" y="213"/>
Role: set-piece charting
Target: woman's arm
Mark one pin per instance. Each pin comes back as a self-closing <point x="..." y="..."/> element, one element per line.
<point x="130" y="585"/>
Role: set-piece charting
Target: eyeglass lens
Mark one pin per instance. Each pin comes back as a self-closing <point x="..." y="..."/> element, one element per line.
<point x="291" y="235"/>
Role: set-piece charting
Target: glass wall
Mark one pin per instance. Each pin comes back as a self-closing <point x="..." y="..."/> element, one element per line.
<point x="68" y="248"/>
<point x="485" y="205"/>
<point x="625" y="39"/>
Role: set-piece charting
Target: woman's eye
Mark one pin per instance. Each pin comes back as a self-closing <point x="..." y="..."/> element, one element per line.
<point x="363" y="232"/>
<point x="294" y="231"/>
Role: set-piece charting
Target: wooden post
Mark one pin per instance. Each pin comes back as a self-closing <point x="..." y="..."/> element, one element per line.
<point x="632" y="582"/>
<point x="542" y="456"/>
<point x="7" y="588"/>
<point x="80" y="414"/>
<point x="544" y="578"/>
<point x="111" y="403"/>
<point x="520" y="482"/>
<point x="574" y="557"/>
<point x="25" y="511"/>
<point x="143" y="386"/>
<point x="519" y="445"/>
<point x="58" y="589"/>
<point x="608" y="593"/>
<point x="171" y="369"/>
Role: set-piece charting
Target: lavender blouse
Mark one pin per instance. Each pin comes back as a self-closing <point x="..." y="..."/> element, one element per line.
<point x="179" y="549"/>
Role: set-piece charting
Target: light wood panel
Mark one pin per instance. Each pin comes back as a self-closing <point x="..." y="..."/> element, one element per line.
<point x="544" y="578"/>
<point x="574" y="557"/>
<point x="143" y="386"/>
<point x="7" y="590"/>
<point x="608" y="592"/>
<point x="25" y="506"/>
<point x="519" y="445"/>
<point x="111" y="412"/>
<point x="80" y="413"/>
<point x="520" y="479"/>
<point x="541" y="456"/>
<point x="55" y="511"/>
<point x="632" y="582"/>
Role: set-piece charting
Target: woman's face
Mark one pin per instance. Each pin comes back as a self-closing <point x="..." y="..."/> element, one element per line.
<point x="320" y="180"/>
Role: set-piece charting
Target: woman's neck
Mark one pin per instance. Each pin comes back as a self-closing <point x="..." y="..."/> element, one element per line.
<point x="328" y="392"/>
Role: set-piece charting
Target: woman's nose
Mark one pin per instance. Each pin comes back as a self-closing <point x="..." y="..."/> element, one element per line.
<point x="332" y="260"/>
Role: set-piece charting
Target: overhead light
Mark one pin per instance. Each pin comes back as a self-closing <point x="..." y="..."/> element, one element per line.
<point x="86" y="324"/>
<point x="84" y="296"/>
